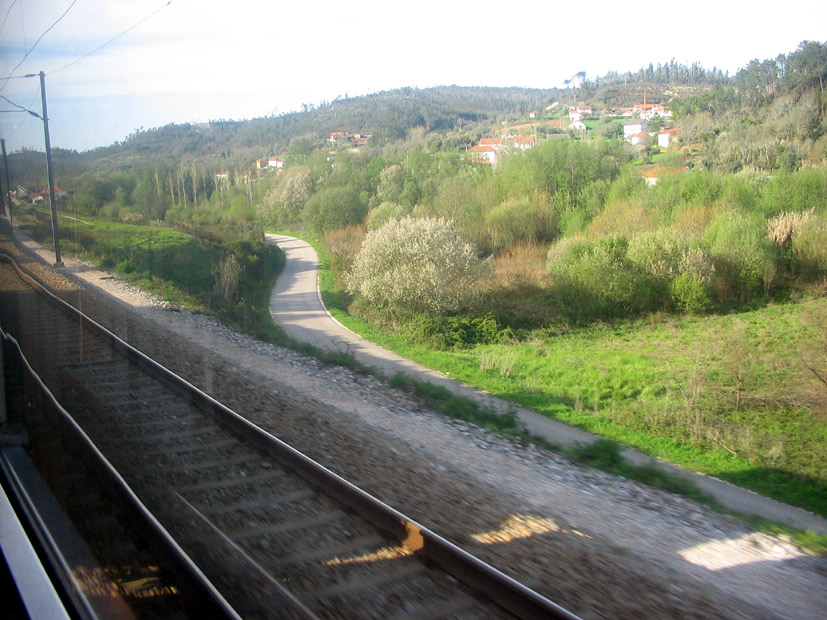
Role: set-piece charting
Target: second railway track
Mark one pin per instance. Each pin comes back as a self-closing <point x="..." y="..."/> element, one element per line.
<point x="278" y="535"/>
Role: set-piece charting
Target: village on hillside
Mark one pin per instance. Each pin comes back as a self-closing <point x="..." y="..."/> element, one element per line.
<point x="636" y="130"/>
<point x="551" y="125"/>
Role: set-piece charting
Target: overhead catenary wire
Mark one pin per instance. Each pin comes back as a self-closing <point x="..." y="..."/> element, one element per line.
<point x="21" y="108"/>
<point x="40" y="38"/>
<point x="23" y="120"/>
<point x="115" y="38"/>
<point x="6" y="18"/>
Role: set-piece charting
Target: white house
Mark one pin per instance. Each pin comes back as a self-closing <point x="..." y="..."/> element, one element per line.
<point x="633" y="127"/>
<point x="643" y="136"/>
<point x="484" y="154"/>
<point x="666" y="137"/>
<point x="650" y="110"/>
<point x="579" y="112"/>
<point x="524" y="142"/>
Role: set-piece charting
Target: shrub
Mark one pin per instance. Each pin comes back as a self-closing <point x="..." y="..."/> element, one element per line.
<point x="520" y="267"/>
<point x="623" y="218"/>
<point x="453" y="332"/>
<point x="384" y="213"/>
<point x="416" y="266"/>
<point x="690" y="293"/>
<point x="658" y="253"/>
<point x="780" y="229"/>
<point x="125" y="266"/>
<point x="742" y="253"/>
<point x="343" y="245"/>
<point x="809" y="247"/>
<point x="596" y="280"/>
<point x="796" y="191"/>
<point x="566" y="249"/>
<point x="333" y="208"/>
<point x="693" y="221"/>
<point x="227" y="276"/>
<point x="517" y="220"/>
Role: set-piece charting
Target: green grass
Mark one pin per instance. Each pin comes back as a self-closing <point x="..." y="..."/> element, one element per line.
<point x="670" y="389"/>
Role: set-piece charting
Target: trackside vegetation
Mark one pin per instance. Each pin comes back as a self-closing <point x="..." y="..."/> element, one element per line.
<point x="671" y="298"/>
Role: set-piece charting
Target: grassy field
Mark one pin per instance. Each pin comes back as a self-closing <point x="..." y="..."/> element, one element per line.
<point x="735" y="396"/>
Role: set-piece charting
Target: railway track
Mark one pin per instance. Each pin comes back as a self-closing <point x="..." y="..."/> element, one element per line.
<point x="276" y="535"/>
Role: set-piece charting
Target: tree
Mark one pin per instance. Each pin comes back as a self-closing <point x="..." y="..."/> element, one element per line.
<point x="334" y="207"/>
<point x="416" y="266"/>
<point x="293" y="190"/>
<point x="298" y="151"/>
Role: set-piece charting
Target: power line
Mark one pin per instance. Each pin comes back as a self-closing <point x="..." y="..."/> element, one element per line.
<point x="135" y="25"/>
<point x="25" y="118"/>
<point x="5" y="19"/>
<point x="20" y="107"/>
<point x="45" y="32"/>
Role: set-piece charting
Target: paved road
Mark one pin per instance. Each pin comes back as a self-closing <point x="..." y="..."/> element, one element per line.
<point x="297" y="307"/>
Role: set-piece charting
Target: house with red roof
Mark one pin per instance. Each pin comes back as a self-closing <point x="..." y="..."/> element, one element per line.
<point x="667" y="136"/>
<point x="524" y="142"/>
<point x="652" y="176"/>
<point x="577" y="113"/>
<point x="492" y="142"/>
<point x="650" y="110"/>
<point x="484" y="154"/>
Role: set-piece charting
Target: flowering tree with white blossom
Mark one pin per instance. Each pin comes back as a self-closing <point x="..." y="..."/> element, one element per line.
<point x="417" y="265"/>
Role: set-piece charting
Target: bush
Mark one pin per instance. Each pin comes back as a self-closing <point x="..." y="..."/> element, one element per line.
<point x="520" y="267"/>
<point x="332" y="208"/>
<point x="658" y="253"/>
<point x="690" y="294"/>
<point x="624" y="218"/>
<point x="596" y="280"/>
<point x="384" y="213"/>
<point x="416" y="266"/>
<point x="125" y="266"/>
<point x="743" y="254"/>
<point x="343" y="245"/>
<point x="454" y="332"/>
<point x="809" y="247"/>
<point x="517" y="220"/>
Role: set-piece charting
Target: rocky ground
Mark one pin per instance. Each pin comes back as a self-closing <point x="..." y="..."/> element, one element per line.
<point x="602" y="546"/>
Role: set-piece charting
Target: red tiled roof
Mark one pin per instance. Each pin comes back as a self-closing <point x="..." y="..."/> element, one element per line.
<point x="664" y="171"/>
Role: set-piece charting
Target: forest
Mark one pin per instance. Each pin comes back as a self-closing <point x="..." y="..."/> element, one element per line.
<point x="554" y="241"/>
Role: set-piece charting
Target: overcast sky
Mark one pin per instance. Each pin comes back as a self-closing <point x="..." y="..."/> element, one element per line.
<point x="197" y="60"/>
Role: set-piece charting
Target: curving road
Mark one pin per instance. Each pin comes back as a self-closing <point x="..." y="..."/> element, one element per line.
<point x="296" y="306"/>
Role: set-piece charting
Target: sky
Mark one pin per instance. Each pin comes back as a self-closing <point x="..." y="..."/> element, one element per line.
<point x="198" y="60"/>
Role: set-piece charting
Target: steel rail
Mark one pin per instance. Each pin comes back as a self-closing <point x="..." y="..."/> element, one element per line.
<point x="199" y="592"/>
<point x="432" y="548"/>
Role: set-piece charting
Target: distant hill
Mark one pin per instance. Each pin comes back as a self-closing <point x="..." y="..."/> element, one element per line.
<point x="781" y="99"/>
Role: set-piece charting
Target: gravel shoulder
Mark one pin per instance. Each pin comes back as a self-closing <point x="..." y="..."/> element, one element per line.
<point x="600" y="545"/>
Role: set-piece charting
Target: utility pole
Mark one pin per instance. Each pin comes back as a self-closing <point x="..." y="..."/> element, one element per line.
<point x="58" y="262"/>
<point x="8" y="186"/>
<point x="2" y="200"/>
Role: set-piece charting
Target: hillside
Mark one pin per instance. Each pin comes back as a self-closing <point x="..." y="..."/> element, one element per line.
<point x="769" y="115"/>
